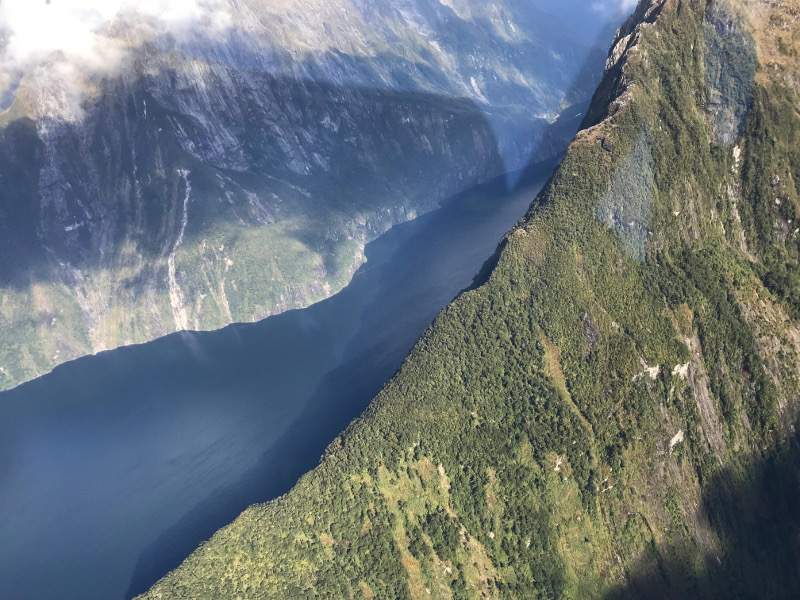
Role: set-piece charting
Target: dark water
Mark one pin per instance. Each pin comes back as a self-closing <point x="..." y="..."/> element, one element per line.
<point x="113" y="468"/>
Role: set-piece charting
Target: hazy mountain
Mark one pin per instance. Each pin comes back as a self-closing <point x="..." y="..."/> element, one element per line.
<point x="183" y="171"/>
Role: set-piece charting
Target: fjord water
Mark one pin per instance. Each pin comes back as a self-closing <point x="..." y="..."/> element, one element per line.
<point x="114" y="467"/>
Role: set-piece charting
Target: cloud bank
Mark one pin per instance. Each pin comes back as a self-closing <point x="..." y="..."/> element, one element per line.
<point x="33" y="30"/>
<point x="614" y="8"/>
<point x="56" y="43"/>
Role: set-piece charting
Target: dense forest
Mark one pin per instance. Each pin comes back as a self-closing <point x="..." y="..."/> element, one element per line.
<point x="609" y="412"/>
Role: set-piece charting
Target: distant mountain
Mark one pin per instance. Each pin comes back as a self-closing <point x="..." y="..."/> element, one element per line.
<point x="235" y="168"/>
<point x="611" y="411"/>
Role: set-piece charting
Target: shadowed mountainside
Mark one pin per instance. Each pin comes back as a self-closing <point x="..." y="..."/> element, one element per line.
<point x="230" y="175"/>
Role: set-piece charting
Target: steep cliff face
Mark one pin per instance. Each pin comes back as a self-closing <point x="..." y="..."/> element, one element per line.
<point x="236" y="170"/>
<point x="612" y="412"/>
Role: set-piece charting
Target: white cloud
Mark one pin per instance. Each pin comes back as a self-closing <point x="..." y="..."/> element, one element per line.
<point x="34" y="28"/>
<point x="79" y="29"/>
<point x="55" y="43"/>
<point x="614" y="8"/>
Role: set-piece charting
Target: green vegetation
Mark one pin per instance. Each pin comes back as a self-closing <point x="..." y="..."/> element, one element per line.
<point x="610" y="414"/>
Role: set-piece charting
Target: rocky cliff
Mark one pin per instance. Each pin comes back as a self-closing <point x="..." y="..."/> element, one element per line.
<point x="235" y="169"/>
<point x="611" y="412"/>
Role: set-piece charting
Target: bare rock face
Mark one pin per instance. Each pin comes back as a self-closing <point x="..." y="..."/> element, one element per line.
<point x="235" y="168"/>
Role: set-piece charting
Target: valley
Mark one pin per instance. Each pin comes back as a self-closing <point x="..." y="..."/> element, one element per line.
<point x="422" y="299"/>
<point x="117" y="466"/>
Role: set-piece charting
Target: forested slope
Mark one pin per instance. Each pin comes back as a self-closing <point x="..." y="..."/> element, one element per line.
<point x="611" y="411"/>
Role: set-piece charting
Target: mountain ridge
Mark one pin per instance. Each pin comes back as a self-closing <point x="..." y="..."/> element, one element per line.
<point x="611" y="413"/>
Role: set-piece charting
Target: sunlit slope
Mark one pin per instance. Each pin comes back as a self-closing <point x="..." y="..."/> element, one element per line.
<point x="611" y="412"/>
